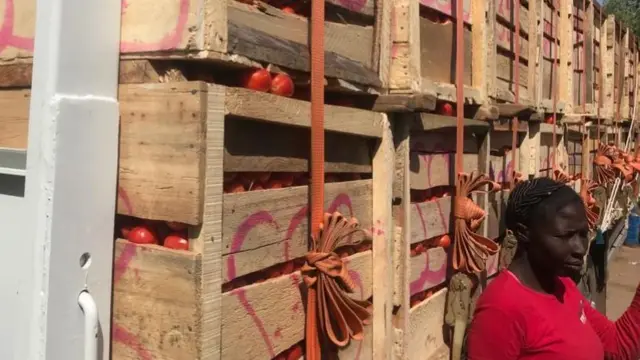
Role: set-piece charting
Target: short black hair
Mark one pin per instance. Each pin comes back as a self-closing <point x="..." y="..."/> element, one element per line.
<point x="535" y="200"/>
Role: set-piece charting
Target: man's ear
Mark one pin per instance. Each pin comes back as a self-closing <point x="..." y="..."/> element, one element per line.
<point x="522" y="234"/>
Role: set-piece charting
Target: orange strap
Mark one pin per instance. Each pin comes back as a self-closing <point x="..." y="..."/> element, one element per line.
<point x="459" y="87"/>
<point x="554" y="89"/>
<point x="601" y="80"/>
<point x="317" y="163"/>
<point x="516" y="90"/>
<point x="470" y="249"/>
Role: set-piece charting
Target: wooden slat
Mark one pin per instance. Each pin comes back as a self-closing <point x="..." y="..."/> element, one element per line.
<point x="262" y="320"/>
<point x="268" y="227"/>
<point x="277" y="109"/>
<point x="261" y="146"/>
<point x="437" y="169"/>
<point x="428" y="269"/>
<point x="282" y="39"/>
<point x="156" y="303"/>
<point x="497" y="204"/>
<point x="430" y="219"/>
<point x="426" y="321"/>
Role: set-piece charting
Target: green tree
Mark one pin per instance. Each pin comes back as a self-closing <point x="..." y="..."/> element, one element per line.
<point x="628" y="11"/>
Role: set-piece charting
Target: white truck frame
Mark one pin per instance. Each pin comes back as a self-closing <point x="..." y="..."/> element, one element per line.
<point x="57" y="200"/>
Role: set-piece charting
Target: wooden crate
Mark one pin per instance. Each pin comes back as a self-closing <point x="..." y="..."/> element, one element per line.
<point x="423" y="51"/>
<point x="177" y="141"/>
<point x="425" y="150"/>
<point x="357" y="35"/>
<point x="504" y="30"/>
<point x="500" y="168"/>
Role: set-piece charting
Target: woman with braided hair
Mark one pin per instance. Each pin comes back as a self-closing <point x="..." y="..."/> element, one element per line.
<point x="533" y="310"/>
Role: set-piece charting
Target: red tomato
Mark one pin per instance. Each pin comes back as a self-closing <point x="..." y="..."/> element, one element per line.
<point x="288" y="10"/>
<point x="176" y="226"/>
<point x="420" y="249"/>
<point x="257" y="186"/>
<point x="549" y="119"/>
<point x="262" y="176"/>
<point x="288" y="267"/>
<point x="259" y="80"/>
<point x="235" y="188"/>
<point x="446" y="109"/>
<point x="274" y="184"/>
<point x="295" y="353"/>
<point x="282" y="85"/>
<point x="176" y="241"/>
<point x="445" y="241"/>
<point x="142" y="235"/>
<point x="125" y="230"/>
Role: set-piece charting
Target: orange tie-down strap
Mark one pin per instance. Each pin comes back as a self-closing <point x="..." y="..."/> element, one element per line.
<point x="586" y="193"/>
<point x="470" y="250"/>
<point x="603" y="162"/>
<point x="331" y="314"/>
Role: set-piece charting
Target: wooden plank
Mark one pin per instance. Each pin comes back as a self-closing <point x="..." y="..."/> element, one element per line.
<point x="404" y="69"/>
<point x="14" y="124"/>
<point x="426" y="338"/>
<point x="495" y="216"/>
<point x="428" y="121"/>
<point x="442" y="140"/>
<point x="260" y="146"/>
<point x="149" y="317"/>
<point x="383" y="233"/>
<point x="447" y="7"/>
<point x="262" y="320"/>
<point x="282" y="39"/>
<point x="438" y="52"/>
<point x="278" y="109"/>
<point x="430" y="219"/>
<point x="428" y="270"/>
<point x="482" y="47"/>
<point x="268" y="227"/>
<point x="430" y="170"/>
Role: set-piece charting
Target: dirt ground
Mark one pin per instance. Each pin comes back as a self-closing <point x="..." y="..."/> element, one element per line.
<point x="624" y="276"/>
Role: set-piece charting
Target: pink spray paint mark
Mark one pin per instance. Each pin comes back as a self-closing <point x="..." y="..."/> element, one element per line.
<point x="170" y="41"/>
<point x="119" y="333"/>
<point x="422" y="220"/>
<point x="264" y="217"/>
<point x="428" y="276"/>
<point x="353" y="5"/>
<point x="122" y="195"/>
<point x="7" y="37"/>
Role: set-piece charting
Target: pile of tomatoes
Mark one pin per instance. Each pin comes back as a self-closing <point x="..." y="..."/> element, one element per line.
<point x="169" y="234"/>
<point x="431" y="194"/>
<point x="443" y="241"/>
<point x="260" y="180"/>
<point x="293" y="353"/>
<point x="262" y="80"/>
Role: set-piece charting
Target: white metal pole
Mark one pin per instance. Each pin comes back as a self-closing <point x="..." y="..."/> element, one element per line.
<point x="72" y="171"/>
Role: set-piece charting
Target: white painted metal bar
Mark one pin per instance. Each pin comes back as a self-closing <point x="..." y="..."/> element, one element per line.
<point x="91" y="325"/>
<point x="58" y="232"/>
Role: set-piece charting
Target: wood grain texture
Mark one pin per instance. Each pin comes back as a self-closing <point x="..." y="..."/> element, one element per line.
<point x="437" y="48"/>
<point x="262" y="320"/>
<point x="495" y="218"/>
<point x="425" y="331"/>
<point x="260" y="146"/>
<point x="428" y="270"/>
<point x="432" y="170"/>
<point x="430" y="219"/>
<point x="146" y="308"/>
<point x="268" y="227"/>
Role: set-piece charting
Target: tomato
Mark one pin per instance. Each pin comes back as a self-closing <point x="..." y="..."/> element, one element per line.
<point x="235" y="188"/>
<point x="445" y="241"/>
<point x="420" y="249"/>
<point x="295" y="353"/>
<point x="176" y="241"/>
<point x="274" y="184"/>
<point x="288" y="267"/>
<point x="549" y="119"/>
<point x="259" y="80"/>
<point x="262" y="176"/>
<point x="142" y="235"/>
<point x="446" y="109"/>
<point x="282" y="85"/>
<point x="176" y="226"/>
<point x="125" y="230"/>
<point x="288" y="10"/>
<point x="257" y="186"/>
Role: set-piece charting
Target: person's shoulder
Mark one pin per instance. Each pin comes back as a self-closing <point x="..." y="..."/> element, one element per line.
<point x="503" y="292"/>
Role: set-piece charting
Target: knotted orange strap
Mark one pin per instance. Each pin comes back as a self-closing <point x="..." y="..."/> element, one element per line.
<point x="470" y="250"/>
<point x="603" y="162"/>
<point x="586" y="193"/>
<point x="562" y="177"/>
<point x="337" y="317"/>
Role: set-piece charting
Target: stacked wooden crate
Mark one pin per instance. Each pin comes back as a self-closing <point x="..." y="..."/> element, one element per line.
<point x="225" y="167"/>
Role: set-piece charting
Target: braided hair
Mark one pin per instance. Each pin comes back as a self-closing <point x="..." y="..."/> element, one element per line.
<point x="534" y="200"/>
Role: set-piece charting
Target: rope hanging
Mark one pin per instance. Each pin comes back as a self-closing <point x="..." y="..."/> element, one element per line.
<point x="470" y="250"/>
<point x="331" y="314"/>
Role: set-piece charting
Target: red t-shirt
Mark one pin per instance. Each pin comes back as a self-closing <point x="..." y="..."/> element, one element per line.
<point x="514" y="322"/>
